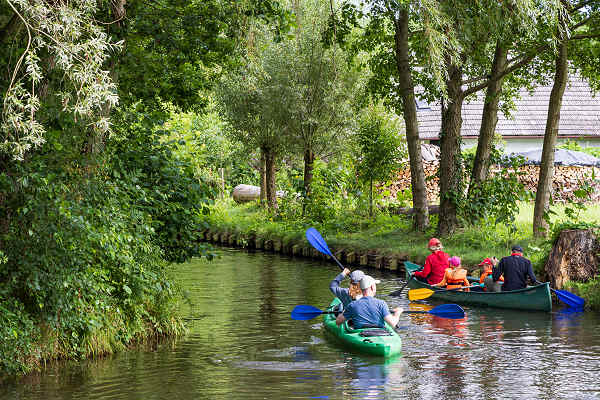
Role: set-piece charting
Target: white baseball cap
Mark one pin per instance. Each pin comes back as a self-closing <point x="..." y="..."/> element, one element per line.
<point x="367" y="281"/>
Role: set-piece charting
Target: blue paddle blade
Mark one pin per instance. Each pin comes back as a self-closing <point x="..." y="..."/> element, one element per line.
<point x="316" y="240"/>
<point x="453" y="311"/>
<point x="569" y="298"/>
<point x="305" y="312"/>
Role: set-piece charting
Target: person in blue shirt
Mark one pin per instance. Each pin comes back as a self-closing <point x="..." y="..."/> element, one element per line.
<point x="347" y="296"/>
<point x="369" y="312"/>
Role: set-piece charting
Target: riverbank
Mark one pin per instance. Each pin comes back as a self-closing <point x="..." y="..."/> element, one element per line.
<point x="383" y="242"/>
<point x="385" y="235"/>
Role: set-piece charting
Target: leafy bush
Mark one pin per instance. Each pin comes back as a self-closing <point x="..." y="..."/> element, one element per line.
<point x="497" y="198"/>
<point x="590" y="291"/>
<point x="201" y="140"/>
<point x="164" y="183"/>
<point x="86" y="246"/>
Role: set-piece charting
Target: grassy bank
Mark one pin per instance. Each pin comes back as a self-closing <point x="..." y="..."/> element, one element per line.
<point x="389" y="234"/>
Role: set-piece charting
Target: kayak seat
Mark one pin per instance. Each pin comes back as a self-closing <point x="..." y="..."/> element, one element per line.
<point x="375" y="332"/>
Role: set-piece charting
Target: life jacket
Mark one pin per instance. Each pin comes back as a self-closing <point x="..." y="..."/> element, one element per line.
<point x="486" y="272"/>
<point x="455" y="278"/>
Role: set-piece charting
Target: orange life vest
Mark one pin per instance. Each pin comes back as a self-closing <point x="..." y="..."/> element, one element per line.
<point x="455" y="278"/>
<point x="486" y="272"/>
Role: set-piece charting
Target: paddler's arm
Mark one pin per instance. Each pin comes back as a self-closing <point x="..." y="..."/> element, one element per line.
<point x="334" y="286"/>
<point x="340" y="319"/>
<point x="394" y="318"/>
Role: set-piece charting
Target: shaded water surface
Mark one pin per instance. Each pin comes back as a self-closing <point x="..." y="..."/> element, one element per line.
<point x="243" y="345"/>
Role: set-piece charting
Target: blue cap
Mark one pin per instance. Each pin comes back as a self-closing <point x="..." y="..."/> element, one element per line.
<point x="356" y="276"/>
<point x="517" y="249"/>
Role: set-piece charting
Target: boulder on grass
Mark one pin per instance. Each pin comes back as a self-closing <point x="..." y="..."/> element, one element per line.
<point x="574" y="257"/>
<point x="245" y="193"/>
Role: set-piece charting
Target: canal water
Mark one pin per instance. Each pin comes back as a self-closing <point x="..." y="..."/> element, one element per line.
<point x="243" y="344"/>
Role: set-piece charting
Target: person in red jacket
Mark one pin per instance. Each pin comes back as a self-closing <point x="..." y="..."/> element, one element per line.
<point x="435" y="264"/>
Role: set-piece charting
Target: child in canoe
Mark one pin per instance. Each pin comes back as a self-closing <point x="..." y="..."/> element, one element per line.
<point x="353" y="292"/>
<point x="487" y="266"/>
<point x="454" y="277"/>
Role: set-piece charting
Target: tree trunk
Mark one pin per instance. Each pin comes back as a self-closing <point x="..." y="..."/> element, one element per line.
<point x="309" y="159"/>
<point x="263" y="176"/>
<point x="542" y="197"/>
<point x="489" y="118"/>
<point x="270" y="178"/>
<point x="309" y="162"/>
<point x="409" y="108"/>
<point x="450" y="169"/>
<point x="574" y="257"/>
<point x="371" y="197"/>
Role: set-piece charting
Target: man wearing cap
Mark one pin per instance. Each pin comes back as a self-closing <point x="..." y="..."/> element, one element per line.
<point x="369" y="312"/>
<point x="515" y="269"/>
<point x="435" y="264"/>
<point x="354" y="292"/>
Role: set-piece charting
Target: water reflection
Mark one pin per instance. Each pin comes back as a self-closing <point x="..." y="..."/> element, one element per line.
<point x="245" y="346"/>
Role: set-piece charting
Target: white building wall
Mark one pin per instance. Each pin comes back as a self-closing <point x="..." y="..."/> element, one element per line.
<point x="524" y="144"/>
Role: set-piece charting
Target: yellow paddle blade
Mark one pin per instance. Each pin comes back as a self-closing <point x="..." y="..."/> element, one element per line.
<point x="419" y="294"/>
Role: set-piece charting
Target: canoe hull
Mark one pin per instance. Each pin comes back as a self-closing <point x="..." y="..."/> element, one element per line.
<point x="533" y="298"/>
<point x="384" y="346"/>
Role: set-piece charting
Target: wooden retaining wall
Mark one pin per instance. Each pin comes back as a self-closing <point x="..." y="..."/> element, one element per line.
<point x="348" y="257"/>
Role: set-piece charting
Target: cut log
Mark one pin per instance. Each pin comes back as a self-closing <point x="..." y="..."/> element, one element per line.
<point x="574" y="257"/>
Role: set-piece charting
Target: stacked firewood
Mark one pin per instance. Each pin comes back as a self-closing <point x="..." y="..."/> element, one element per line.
<point x="566" y="180"/>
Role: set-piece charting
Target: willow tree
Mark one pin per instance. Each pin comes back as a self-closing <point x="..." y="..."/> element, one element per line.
<point x="314" y="85"/>
<point x="41" y="42"/>
<point x="253" y="114"/>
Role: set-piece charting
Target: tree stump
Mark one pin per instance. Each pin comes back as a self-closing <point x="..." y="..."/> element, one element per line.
<point x="574" y="257"/>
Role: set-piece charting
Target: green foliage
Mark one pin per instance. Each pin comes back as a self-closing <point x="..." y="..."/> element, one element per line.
<point x="179" y="49"/>
<point x="81" y="261"/>
<point x="589" y="290"/>
<point x="172" y="194"/>
<point x="573" y="145"/>
<point x="87" y="242"/>
<point x="202" y="140"/>
<point x="379" y="148"/>
<point x="497" y="198"/>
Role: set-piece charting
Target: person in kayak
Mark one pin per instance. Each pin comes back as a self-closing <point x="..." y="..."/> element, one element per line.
<point x="369" y="312"/>
<point x="516" y="269"/>
<point x="487" y="265"/>
<point x="435" y="264"/>
<point x="455" y="276"/>
<point x="353" y="292"/>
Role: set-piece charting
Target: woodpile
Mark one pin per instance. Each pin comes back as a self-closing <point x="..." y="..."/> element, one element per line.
<point x="566" y="180"/>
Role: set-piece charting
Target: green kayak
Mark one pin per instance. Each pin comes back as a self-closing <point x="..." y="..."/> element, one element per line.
<point x="375" y="341"/>
<point x="532" y="298"/>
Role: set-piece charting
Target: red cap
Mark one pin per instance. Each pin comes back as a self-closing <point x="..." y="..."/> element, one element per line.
<point x="434" y="242"/>
<point x="486" y="261"/>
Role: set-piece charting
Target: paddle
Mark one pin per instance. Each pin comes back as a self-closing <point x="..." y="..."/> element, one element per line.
<point x="568" y="298"/>
<point x="316" y="240"/>
<point x="450" y="311"/>
<point x="423" y="293"/>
